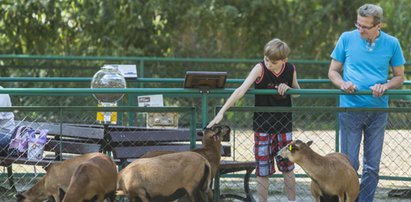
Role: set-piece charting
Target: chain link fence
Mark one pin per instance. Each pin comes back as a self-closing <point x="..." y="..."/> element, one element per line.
<point x="39" y="118"/>
<point x="317" y="121"/>
<point x="310" y="123"/>
<point x="320" y="124"/>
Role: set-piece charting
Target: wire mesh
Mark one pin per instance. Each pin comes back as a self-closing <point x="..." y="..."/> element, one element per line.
<point x="317" y="123"/>
<point x="321" y="126"/>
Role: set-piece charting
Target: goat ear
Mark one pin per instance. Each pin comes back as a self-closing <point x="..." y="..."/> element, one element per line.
<point x="62" y="193"/>
<point x="46" y="168"/>
<point x="20" y="197"/>
<point x="200" y="133"/>
<point x="225" y="129"/>
<point x="309" y="143"/>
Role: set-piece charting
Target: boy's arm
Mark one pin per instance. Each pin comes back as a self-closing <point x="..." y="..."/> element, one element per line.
<point x="237" y="94"/>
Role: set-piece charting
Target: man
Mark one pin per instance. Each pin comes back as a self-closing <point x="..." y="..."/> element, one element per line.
<point x="364" y="56"/>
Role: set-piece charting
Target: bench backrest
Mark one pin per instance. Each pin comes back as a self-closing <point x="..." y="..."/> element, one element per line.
<point x="128" y="144"/>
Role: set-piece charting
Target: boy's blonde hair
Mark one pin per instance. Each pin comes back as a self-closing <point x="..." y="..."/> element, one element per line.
<point x="276" y="50"/>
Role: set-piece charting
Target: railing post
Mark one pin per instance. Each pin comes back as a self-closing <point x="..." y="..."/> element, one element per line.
<point x="193" y="128"/>
<point x="337" y="128"/>
<point x="204" y="109"/>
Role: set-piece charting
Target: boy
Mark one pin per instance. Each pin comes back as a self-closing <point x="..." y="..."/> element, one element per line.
<point x="272" y="130"/>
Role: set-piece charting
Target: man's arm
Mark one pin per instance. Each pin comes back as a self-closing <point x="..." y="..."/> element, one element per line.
<point x="334" y="74"/>
<point x="398" y="78"/>
<point x="396" y="82"/>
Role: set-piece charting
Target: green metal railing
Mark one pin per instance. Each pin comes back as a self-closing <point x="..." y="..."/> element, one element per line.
<point x="142" y="80"/>
<point x="181" y="91"/>
<point x="146" y="59"/>
<point x="204" y="107"/>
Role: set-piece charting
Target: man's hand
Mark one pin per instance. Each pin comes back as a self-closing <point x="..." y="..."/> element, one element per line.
<point x="348" y="87"/>
<point x="378" y="89"/>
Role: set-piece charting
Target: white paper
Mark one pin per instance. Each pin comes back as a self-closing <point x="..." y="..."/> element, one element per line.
<point x="150" y="101"/>
<point x="128" y="71"/>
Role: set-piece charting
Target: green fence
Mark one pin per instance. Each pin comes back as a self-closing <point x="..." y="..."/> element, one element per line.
<point x="311" y="122"/>
<point x="56" y="85"/>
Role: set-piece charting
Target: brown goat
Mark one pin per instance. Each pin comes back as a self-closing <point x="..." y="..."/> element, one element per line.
<point x="94" y="179"/>
<point x="211" y="149"/>
<point x="57" y="176"/>
<point x="332" y="175"/>
<point x="165" y="178"/>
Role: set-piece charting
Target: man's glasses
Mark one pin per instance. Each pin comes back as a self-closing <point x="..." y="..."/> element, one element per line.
<point x="363" y="27"/>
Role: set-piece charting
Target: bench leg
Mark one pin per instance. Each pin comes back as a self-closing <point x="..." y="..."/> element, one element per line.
<point x="249" y="197"/>
<point x="216" y="191"/>
<point x="10" y="178"/>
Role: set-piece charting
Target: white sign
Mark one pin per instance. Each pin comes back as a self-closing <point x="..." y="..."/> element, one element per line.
<point x="150" y="101"/>
<point x="128" y="71"/>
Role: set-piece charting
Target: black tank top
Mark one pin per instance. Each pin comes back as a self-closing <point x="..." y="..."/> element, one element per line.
<point x="273" y="122"/>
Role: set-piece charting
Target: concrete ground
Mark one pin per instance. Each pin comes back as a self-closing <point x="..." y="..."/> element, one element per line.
<point x="276" y="193"/>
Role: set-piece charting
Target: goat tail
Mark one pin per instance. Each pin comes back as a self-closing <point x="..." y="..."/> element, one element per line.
<point x="120" y="193"/>
<point x="205" y="183"/>
<point x="120" y="187"/>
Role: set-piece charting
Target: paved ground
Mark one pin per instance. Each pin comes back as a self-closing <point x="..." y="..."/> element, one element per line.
<point x="276" y="192"/>
<point x="275" y="195"/>
<point x="395" y="162"/>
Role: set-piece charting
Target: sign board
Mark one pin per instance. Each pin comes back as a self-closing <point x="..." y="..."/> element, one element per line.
<point x="128" y="71"/>
<point x="150" y="101"/>
<point x="205" y="80"/>
<point x="157" y="119"/>
<point x="106" y="117"/>
<point x="162" y="120"/>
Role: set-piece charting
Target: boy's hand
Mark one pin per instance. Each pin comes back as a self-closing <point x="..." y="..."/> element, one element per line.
<point x="282" y="88"/>
<point x="216" y="120"/>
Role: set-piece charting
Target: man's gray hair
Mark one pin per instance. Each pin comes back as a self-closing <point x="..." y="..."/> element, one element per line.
<point x="372" y="10"/>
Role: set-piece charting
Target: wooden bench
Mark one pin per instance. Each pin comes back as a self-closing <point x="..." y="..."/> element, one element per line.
<point x="128" y="144"/>
<point x="64" y="141"/>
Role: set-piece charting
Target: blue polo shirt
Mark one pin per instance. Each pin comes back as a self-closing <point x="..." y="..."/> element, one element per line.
<point x="366" y="65"/>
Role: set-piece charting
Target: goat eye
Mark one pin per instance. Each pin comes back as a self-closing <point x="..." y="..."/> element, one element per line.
<point x="290" y="147"/>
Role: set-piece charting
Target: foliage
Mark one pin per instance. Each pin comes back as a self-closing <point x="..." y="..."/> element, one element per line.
<point x="178" y="28"/>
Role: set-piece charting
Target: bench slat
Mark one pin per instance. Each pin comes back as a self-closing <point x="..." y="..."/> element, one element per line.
<point x="72" y="147"/>
<point x="137" y="152"/>
<point x="153" y="136"/>
<point x="235" y="166"/>
<point x="7" y="161"/>
<point x="121" y="152"/>
<point x="67" y="130"/>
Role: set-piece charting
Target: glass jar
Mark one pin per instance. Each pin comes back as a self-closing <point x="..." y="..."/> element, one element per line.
<point x="108" y="77"/>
